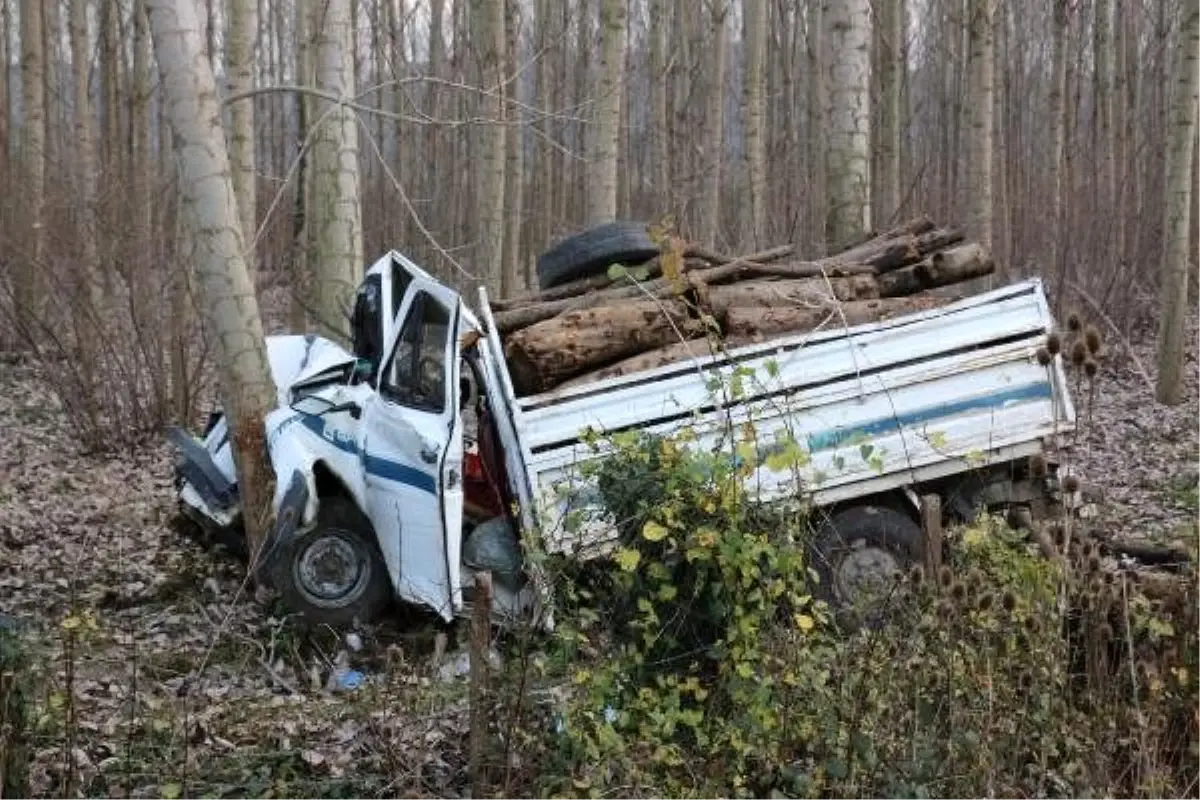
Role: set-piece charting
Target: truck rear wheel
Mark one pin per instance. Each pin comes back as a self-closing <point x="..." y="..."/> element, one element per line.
<point x="857" y="553"/>
<point x="333" y="573"/>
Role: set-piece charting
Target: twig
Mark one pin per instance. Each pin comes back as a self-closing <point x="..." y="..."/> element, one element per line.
<point x="1141" y="369"/>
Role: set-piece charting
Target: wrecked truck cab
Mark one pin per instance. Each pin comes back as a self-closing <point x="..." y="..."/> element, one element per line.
<point x="368" y="451"/>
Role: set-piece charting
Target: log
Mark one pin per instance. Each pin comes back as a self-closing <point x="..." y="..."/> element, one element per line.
<point x="679" y="351"/>
<point x="695" y="257"/>
<point x="956" y="265"/>
<point x="744" y="325"/>
<point x="557" y="349"/>
<point x="805" y="292"/>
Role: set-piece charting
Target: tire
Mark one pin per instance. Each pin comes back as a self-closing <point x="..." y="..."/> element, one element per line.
<point x="856" y="553"/>
<point x="593" y="251"/>
<point x="356" y="586"/>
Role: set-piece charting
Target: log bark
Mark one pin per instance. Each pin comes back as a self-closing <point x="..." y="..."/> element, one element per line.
<point x="549" y="352"/>
<point x="745" y="325"/>
<point x="800" y="293"/>
<point x="679" y="351"/>
<point x="955" y="266"/>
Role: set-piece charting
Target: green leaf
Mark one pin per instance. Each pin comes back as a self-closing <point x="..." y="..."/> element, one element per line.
<point x="866" y="450"/>
<point x="772" y="367"/>
<point x="836" y="768"/>
<point x="171" y="791"/>
<point x="640" y="274"/>
<point x="653" y="532"/>
<point x="627" y="559"/>
<point x="616" y="272"/>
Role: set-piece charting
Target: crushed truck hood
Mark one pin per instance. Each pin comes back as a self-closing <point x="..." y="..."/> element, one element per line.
<point x="296" y="359"/>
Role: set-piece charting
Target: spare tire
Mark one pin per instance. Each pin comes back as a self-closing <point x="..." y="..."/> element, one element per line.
<point x="593" y="251"/>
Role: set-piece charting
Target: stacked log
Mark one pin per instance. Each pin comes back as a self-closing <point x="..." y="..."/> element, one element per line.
<point x="689" y="298"/>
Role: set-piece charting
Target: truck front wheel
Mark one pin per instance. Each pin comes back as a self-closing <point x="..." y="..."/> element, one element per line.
<point x="857" y="552"/>
<point x="333" y="573"/>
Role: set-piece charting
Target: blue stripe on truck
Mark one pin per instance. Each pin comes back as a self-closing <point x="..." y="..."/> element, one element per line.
<point x="374" y="465"/>
<point x="831" y="439"/>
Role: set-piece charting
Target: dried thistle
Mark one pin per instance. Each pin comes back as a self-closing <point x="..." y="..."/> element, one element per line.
<point x="1079" y="353"/>
<point x="1071" y="484"/>
<point x="945" y="576"/>
<point x="916" y="575"/>
<point x="1037" y="465"/>
<point x="986" y="600"/>
<point x="1074" y="323"/>
<point x="1093" y="339"/>
<point x="1091" y="368"/>
<point x="958" y="591"/>
<point x="1094" y="563"/>
<point x="1054" y="344"/>
<point x="1008" y="600"/>
<point x="1043" y="356"/>
<point x="1106" y="632"/>
<point x="1033" y="624"/>
<point x="1060" y="536"/>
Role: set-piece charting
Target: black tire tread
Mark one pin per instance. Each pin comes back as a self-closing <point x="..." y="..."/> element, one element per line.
<point x="592" y="251"/>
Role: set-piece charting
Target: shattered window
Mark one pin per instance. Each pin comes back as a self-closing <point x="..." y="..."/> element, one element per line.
<point x="400" y="281"/>
<point x="416" y="376"/>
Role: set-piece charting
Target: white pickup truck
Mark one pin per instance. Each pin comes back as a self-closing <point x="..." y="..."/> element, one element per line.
<point x="407" y="465"/>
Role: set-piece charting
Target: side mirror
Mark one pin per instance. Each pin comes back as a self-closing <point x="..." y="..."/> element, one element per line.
<point x="354" y="408"/>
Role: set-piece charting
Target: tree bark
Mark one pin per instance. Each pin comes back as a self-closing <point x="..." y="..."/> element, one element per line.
<point x="890" y="37"/>
<point x="1058" y="137"/>
<point x="981" y="67"/>
<point x="847" y="157"/>
<point x="754" y="36"/>
<point x="660" y="154"/>
<point x="336" y="214"/>
<point x="776" y="294"/>
<point x="33" y="161"/>
<point x="714" y="125"/>
<point x="549" y="352"/>
<point x="601" y="187"/>
<point x="750" y="324"/>
<point x="490" y="178"/>
<point x="241" y="28"/>
<point x="1172" y="333"/>
<point x="210" y="209"/>
<point x="652" y="359"/>
<point x="514" y="179"/>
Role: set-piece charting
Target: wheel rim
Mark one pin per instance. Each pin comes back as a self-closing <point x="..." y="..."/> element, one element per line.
<point x="864" y="572"/>
<point x="330" y="571"/>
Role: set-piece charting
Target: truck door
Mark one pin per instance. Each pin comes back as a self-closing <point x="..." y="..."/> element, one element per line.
<point x="412" y="449"/>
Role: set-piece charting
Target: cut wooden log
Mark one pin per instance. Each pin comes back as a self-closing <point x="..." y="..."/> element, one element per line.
<point x="959" y="264"/>
<point x="744" y="325"/>
<point x="804" y="293"/>
<point x="554" y="350"/>
<point x="679" y="351"/>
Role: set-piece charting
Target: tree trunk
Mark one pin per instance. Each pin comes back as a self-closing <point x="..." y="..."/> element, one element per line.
<point x="714" y="125"/>
<point x="543" y="355"/>
<point x="490" y="176"/>
<point x="85" y="280"/>
<point x="210" y="209"/>
<point x="600" y="188"/>
<point x="754" y="37"/>
<point x="301" y="244"/>
<point x="1172" y="336"/>
<point x="1102" y="100"/>
<point x="1058" y="137"/>
<point x="660" y="154"/>
<point x="514" y="179"/>
<point x="33" y="162"/>
<point x="890" y="37"/>
<point x="818" y="138"/>
<point x="981" y="67"/>
<point x="241" y="28"/>
<point x="847" y="157"/>
<point x="336" y="215"/>
<point x="749" y="324"/>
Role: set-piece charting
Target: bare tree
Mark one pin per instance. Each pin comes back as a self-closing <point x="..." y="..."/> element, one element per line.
<point x="1177" y="212"/>
<point x="660" y="155"/>
<point x="981" y="66"/>
<point x="889" y="36"/>
<point x="847" y="31"/>
<point x="336" y="213"/>
<point x="489" y="15"/>
<point x="33" y="157"/>
<point x="85" y="150"/>
<point x="601" y="191"/>
<point x="514" y="179"/>
<point x="241" y="28"/>
<point x="1058" y="134"/>
<point x="754" y="38"/>
<point x="714" y="124"/>
<point x="1102" y="99"/>
<point x="209" y="207"/>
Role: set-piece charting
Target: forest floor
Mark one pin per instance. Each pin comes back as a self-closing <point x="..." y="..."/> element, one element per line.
<point x="165" y="677"/>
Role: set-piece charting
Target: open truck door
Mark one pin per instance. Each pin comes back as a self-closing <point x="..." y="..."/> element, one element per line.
<point x="412" y="449"/>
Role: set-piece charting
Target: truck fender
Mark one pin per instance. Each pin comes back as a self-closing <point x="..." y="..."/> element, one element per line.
<point x="289" y="517"/>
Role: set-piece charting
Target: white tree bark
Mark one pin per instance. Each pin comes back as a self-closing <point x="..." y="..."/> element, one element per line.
<point x="337" y="213"/>
<point x="660" y="155"/>
<point x="209" y="208"/>
<point x="714" y="125"/>
<point x="847" y="29"/>
<point x="981" y="100"/>
<point x="1058" y="134"/>
<point x="1185" y="106"/>
<point x="85" y="148"/>
<point x="241" y="27"/>
<point x="514" y="179"/>
<point x="754" y="37"/>
<point x="601" y="187"/>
